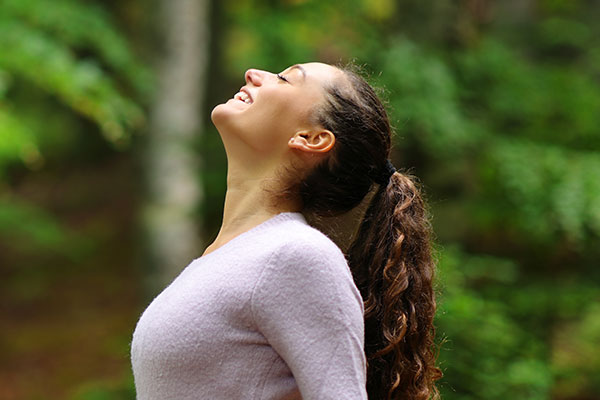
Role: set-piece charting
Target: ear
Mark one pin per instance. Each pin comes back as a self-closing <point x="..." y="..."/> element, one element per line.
<point x="313" y="142"/>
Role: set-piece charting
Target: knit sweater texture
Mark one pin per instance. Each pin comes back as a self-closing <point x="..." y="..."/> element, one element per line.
<point x="273" y="314"/>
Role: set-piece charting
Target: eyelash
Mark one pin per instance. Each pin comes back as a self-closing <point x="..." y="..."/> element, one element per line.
<point x="282" y="78"/>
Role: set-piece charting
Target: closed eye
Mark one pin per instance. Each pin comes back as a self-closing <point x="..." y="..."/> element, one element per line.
<point x="281" y="77"/>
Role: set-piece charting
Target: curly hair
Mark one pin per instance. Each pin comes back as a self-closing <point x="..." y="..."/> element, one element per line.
<point x="391" y="256"/>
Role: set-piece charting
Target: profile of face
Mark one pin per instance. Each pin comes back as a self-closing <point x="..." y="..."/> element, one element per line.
<point x="273" y="113"/>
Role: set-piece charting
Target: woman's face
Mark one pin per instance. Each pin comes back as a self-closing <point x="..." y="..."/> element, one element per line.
<point x="272" y="108"/>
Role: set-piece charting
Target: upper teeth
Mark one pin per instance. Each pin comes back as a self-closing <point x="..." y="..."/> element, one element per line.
<point x="243" y="97"/>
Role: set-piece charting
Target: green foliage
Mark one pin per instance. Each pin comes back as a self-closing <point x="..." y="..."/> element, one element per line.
<point x="292" y="32"/>
<point x="424" y="101"/>
<point x="576" y="347"/>
<point x="68" y="77"/>
<point x="541" y="155"/>
<point x="121" y="390"/>
<point x="83" y="27"/>
<point x="488" y="352"/>
<point x="550" y="192"/>
<point x="27" y="224"/>
<point x="17" y="142"/>
<point x="557" y="104"/>
<point x="81" y="84"/>
<point x="72" y="52"/>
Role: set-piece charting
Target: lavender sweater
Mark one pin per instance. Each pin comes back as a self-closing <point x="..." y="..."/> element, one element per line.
<point x="273" y="314"/>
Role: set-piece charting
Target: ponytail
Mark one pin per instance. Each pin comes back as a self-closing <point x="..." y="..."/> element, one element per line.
<point x="391" y="259"/>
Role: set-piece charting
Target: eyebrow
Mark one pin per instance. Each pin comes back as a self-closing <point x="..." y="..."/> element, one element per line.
<point x="298" y="66"/>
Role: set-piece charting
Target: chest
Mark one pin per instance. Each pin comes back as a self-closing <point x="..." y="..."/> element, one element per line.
<point x="205" y="314"/>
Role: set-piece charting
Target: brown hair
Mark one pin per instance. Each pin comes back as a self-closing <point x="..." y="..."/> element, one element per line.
<point x="391" y="257"/>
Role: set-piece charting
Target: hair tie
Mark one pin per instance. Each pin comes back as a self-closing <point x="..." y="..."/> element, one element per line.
<point x="384" y="177"/>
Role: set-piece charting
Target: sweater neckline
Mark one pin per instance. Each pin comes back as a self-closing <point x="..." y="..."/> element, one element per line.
<point x="273" y="221"/>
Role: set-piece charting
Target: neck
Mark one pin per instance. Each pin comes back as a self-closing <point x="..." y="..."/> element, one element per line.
<point x="248" y="203"/>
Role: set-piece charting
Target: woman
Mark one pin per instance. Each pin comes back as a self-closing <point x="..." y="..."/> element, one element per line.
<point x="271" y="309"/>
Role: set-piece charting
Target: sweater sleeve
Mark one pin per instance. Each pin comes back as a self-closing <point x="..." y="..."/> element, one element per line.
<point x="309" y="310"/>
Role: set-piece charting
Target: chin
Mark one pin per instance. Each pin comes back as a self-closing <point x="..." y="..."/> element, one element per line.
<point x="227" y="110"/>
<point x="223" y="117"/>
<point x="217" y="113"/>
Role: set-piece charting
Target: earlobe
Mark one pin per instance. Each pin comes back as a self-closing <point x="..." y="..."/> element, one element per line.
<point x="319" y="141"/>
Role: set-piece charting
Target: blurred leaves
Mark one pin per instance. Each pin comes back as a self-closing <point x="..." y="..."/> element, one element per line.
<point x="575" y="353"/>
<point x="84" y="26"/>
<point x="64" y="49"/>
<point x="292" y="32"/>
<point x="23" y="224"/>
<point x="69" y="84"/>
<point x="425" y="100"/>
<point x="59" y="61"/>
<point x="550" y="192"/>
<point x="17" y="142"/>
<point x="488" y="353"/>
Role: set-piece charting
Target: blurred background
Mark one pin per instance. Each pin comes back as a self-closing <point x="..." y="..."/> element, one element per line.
<point x="112" y="177"/>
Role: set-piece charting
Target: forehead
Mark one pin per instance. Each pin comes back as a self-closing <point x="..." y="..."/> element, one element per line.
<point x="318" y="72"/>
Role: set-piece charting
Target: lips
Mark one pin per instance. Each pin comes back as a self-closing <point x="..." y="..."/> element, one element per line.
<point x="243" y="95"/>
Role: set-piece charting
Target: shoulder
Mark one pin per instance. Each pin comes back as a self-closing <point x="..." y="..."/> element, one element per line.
<point x="306" y="275"/>
<point x="304" y="263"/>
<point x="299" y="244"/>
<point x="288" y="236"/>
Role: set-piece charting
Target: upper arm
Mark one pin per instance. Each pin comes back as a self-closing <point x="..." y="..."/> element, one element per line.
<point x="309" y="310"/>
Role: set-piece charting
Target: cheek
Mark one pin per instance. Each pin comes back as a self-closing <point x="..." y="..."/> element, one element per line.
<point x="272" y="128"/>
<point x="277" y="119"/>
<point x="286" y="115"/>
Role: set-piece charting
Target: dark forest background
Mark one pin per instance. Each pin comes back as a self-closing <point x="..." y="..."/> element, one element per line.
<point x="112" y="177"/>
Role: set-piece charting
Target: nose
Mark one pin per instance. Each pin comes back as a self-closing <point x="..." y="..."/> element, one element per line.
<point x="256" y="77"/>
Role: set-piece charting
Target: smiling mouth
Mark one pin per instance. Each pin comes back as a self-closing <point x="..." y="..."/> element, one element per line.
<point x="243" y="96"/>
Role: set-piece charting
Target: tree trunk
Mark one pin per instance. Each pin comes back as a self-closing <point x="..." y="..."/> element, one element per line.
<point x="171" y="164"/>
